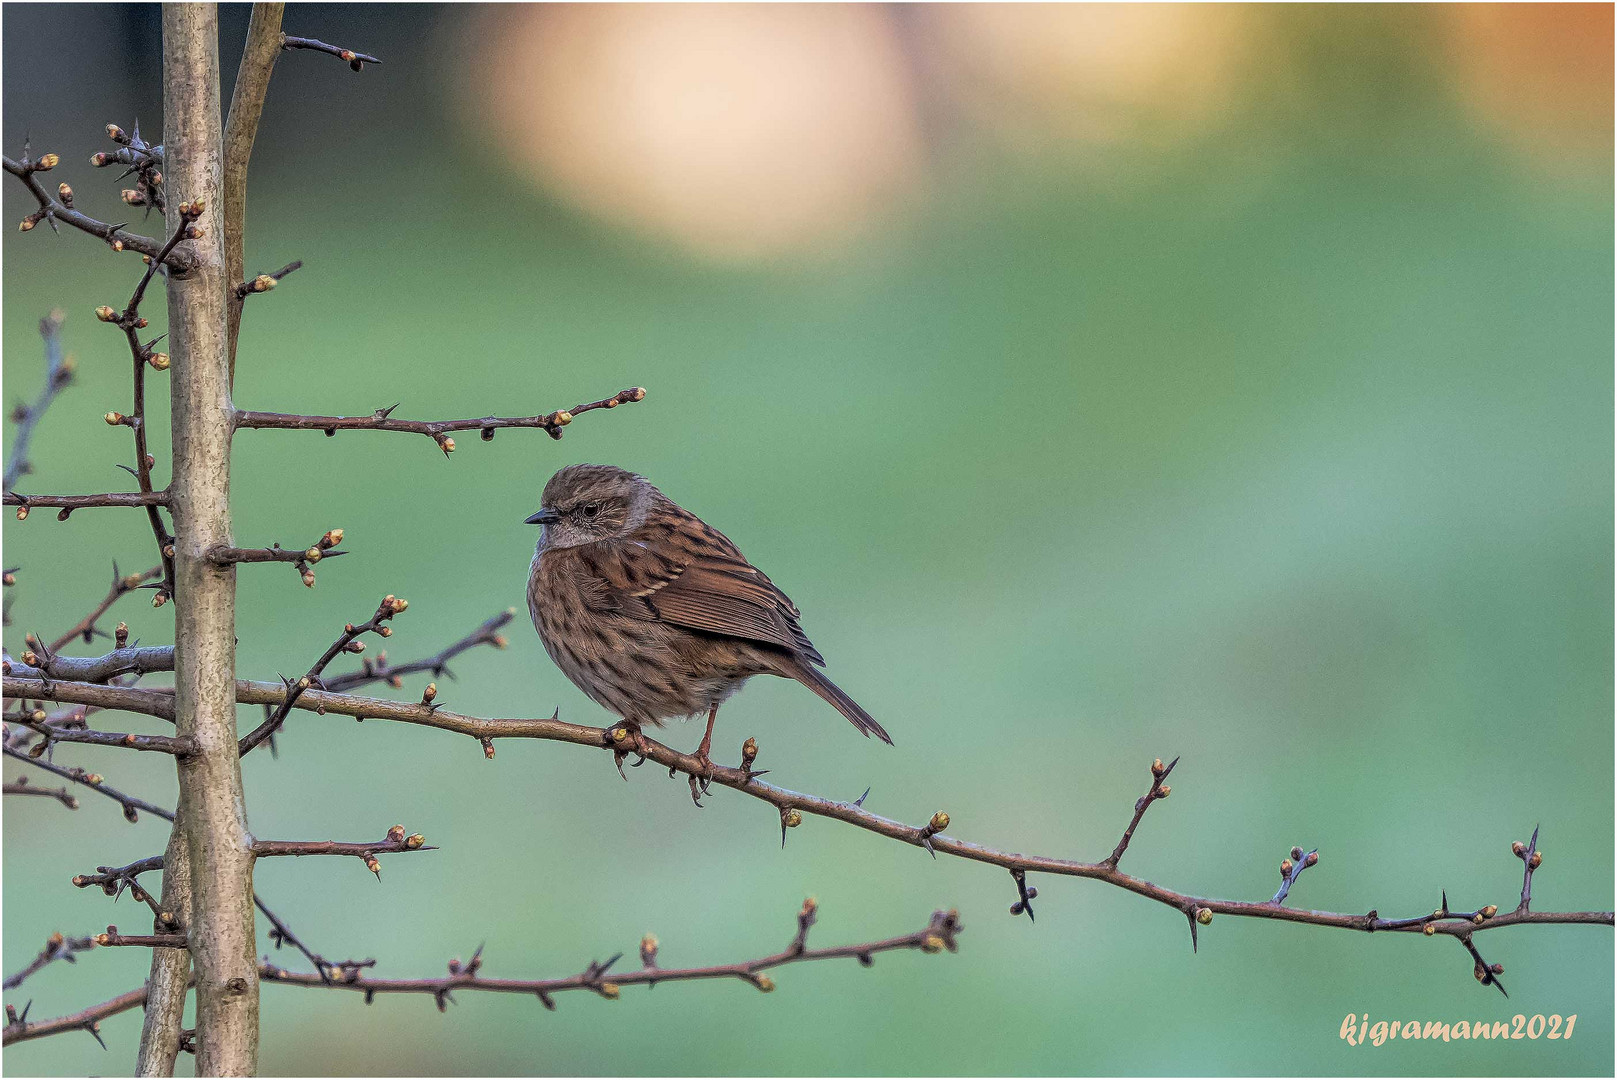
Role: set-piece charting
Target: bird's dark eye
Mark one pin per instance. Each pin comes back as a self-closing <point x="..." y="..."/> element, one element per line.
<point x="589" y="511"/>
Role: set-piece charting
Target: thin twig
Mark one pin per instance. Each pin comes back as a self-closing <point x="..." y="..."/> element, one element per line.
<point x="347" y="641"/>
<point x="21" y="786"/>
<point x="57" y="947"/>
<point x="380" y="670"/>
<point x="58" y="376"/>
<point x="159" y="744"/>
<point x="143" y="356"/>
<point x="122" y="585"/>
<point x="355" y="60"/>
<point x="113" y="939"/>
<point x="1157" y="790"/>
<point x="1291" y="869"/>
<point x="395" y="842"/>
<point x="302" y="559"/>
<point x="1531" y="859"/>
<point x="265" y="282"/>
<point x="132" y="806"/>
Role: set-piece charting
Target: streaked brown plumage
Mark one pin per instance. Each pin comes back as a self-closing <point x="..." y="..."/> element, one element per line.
<point x="655" y="614"/>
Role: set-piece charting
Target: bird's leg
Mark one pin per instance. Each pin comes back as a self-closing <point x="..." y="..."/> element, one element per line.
<point x="700" y="781"/>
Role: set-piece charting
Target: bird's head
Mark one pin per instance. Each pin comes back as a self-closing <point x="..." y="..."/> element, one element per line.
<point x="586" y="503"/>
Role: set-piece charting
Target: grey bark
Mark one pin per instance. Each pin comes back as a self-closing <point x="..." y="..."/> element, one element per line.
<point x="212" y="812"/>
<point x="171" y="970"/>
<point x="258" y="58"/>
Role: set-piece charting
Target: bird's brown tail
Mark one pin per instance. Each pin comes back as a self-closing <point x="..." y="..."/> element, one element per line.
<point x="842" y="703"/>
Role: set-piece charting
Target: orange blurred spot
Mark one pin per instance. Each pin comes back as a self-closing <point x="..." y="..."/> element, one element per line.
<point x="738" y="131"/>
<point x="1541" y="76"/>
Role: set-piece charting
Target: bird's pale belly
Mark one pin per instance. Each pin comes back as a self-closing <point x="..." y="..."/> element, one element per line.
<point x="633" y="666"/>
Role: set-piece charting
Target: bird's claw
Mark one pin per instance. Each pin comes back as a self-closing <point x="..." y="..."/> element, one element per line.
<point x="702" y="779"/>
<point x="632" y="742"/>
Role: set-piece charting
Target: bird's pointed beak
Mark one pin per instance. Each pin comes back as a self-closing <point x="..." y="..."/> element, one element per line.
<point x="545" y="516"/>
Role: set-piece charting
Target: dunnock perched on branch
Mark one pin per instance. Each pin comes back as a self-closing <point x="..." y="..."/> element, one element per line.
<point x="654" y="613"/>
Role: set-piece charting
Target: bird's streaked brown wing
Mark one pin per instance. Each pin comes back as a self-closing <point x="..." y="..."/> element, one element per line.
<point x="689" y="574"/>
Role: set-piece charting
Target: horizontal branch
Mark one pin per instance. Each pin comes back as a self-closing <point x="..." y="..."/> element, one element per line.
<point x="355" y="60"/>
<point x="21" y="786"/>
<point x="1199" y="909"/>
<point x="263" y="283"/>
<point x="395" y="842"/>
<point x="94" y="669"/>
<point x="437" y="430"/>
<point x="70" y="503"/>
<point x="113" y="939"/>
<point x="118" y="876"/>
<point x="302" y="559"/>
<point x="937" y="935"/>
<point x="56" y="733"/>
<point x="228" y="556"/>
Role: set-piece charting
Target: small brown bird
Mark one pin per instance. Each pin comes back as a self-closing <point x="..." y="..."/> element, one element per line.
<point x="654" y="613"/>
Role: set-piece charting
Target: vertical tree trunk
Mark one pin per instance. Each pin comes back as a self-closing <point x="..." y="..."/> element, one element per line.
<point x="212" y="812"/>
<point x="171" y="969"/>
<point x="258" y="58"/>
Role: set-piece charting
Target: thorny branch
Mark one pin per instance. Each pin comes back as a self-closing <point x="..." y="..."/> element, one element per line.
<point x="69" y="503"/>
<point x="19" y="1029"/>
<point x="54" y="209"/>
<point x="302" y="559"/>
<point x="939" y="934"/>
<point x="279" y="933"/>
<point x="1198" y="910"/>
<point x="380" y="670"/>
<point x="131" y="805"/>
<point x="144" y="161"/>
<point x="96" y="669"/>
<point x="347" y="641"/>
<point x="437" y="430"/>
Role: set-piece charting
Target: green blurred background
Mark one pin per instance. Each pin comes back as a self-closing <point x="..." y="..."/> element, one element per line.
<point x="1234" y="384"/>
